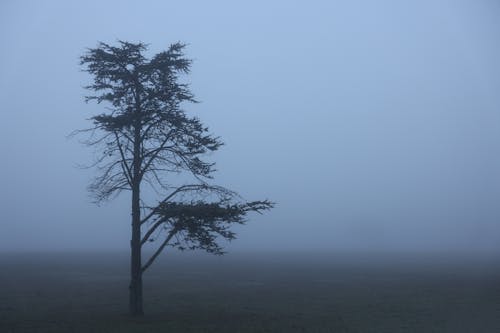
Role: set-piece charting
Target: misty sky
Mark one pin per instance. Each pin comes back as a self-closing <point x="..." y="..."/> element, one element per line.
<point x="375" y="125"/>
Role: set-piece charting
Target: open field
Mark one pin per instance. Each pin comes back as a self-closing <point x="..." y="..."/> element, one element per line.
<point x="251" y="293"/>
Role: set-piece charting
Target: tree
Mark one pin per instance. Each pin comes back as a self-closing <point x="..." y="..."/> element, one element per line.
<point x="145" y="136"/>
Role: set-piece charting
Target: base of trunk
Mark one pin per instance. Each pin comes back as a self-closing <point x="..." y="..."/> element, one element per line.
<point x="135" y="301"/>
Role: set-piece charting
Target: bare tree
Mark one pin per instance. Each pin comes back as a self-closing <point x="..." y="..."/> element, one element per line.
<point x="143" y="137"/>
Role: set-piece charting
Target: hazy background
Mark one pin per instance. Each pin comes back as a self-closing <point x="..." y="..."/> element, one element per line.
<point x="375" y="125"/>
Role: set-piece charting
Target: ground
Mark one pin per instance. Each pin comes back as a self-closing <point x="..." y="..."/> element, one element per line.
<point x="266" y="292"/>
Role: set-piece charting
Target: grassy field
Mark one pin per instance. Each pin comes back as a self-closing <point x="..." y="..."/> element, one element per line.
<point x="251" y="293"/>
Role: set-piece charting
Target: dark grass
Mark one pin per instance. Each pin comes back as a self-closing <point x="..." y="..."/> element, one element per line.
<point x="251" y="293"/>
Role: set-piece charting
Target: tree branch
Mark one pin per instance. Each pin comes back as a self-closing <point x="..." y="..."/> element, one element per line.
<point x="152" y="229"/>
<point x="124" y="160"/>
<point x="157" y="253"/>
<point x="155" y="152"/>
<point x="184" y="188"/>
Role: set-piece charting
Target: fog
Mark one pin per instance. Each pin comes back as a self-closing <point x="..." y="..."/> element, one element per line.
<point x="374" y="126"/>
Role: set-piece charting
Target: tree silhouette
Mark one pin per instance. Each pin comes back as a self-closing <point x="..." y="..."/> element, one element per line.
<point x="143" y="137"/>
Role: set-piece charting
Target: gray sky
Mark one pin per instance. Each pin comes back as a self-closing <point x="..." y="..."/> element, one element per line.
<point x="375" y="125"/>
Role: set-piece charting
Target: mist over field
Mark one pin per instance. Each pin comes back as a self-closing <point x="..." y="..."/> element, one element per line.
<point x="373" y="126"/>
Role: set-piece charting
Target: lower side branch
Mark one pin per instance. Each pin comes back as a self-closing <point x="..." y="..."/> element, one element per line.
<point x="157" y="253"/>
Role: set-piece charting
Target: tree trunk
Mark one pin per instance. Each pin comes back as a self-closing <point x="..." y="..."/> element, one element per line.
<point x="135" y="301"/>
